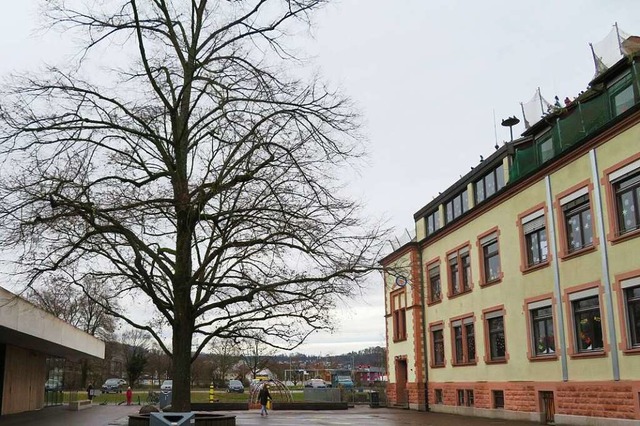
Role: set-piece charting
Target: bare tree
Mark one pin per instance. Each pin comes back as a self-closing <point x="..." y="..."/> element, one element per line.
<point x="135" y="351"/>
<point x="224" y="356"/>
<point x="197" y="177"/>
<point x="256" y="356"/>
<point x="83" y="306"/>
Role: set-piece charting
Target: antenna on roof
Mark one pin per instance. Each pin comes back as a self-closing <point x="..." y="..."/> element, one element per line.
<point x="495" y="128"/>
<point x="510" y="122"/>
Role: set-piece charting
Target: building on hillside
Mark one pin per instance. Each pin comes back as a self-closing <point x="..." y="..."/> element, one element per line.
<point x="33" y="348"/>
<point x="519" y="297"/>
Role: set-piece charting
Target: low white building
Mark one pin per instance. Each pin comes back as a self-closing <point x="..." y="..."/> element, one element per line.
<point x="29" y="337"/>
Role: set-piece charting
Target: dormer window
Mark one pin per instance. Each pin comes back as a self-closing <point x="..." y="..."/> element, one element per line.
<point x="489" y="184"/>
<point x="433" y="222"/>
<point x="458" y="205"/>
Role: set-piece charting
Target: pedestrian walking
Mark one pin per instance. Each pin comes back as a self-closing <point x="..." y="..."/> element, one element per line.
<point x="129" y="395"/>
<point x="90" y="391"/>
<point x="264" y="396"/>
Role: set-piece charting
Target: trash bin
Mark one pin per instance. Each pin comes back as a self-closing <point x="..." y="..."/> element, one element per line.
<point x="164" y="399"/>
<point x="172" y="419"/>
<point x="374" y="399"/>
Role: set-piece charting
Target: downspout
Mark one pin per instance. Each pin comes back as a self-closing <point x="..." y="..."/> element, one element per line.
<point x="424" y="332"/>
<point x="556" y="281"/>
<point x="608" y="295"/>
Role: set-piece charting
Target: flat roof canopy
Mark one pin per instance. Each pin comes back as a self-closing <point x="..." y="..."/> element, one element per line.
<point x="25" y="325"/>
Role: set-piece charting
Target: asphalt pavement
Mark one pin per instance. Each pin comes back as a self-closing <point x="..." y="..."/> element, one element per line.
<point x="114" y="415"/>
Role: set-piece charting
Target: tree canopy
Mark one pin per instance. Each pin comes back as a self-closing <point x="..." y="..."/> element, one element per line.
<point x="181" y="163"/>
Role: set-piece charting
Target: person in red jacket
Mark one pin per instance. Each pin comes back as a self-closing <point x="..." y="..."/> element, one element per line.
<point x="129" y="395"/>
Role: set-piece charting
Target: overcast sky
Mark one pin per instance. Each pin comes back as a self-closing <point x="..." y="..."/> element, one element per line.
<point x="427" y="76"/>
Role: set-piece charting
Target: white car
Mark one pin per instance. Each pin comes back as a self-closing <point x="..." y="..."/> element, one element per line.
<point x="167" y="385"/>
<point x="316" y="384"/>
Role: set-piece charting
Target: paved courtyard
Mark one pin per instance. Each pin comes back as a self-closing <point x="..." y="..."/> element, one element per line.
<point x="102" y="415"/>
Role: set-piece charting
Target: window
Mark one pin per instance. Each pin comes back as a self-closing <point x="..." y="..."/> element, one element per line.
<point x="458" y="205"/>
<point x="542" y="324"/>
<point x="631" y="291"/>
<point x="435" y="291"/>
<point x="459" y="271"/>
<point x="438" y="396"/>
<point x="498" y="398"/>
<point x="399" y="317"/>
<point x="627" y="194"/>
<point x="469" y="398"/>
<point x="489" y="184"/>
<point x="433" y="222"/>
<point x="587" y="323"/>
<point x="535" y="238"/>
<point x="464" y="346"/>
<point x="460" y="397"/>
<point x="545" y="145"/>
<point x="437" y="337"/>
<point x="577" y="222"/>
<point x="497" y="344"/>
<point x="622" y="95"/>
<point x="490" y="258"/>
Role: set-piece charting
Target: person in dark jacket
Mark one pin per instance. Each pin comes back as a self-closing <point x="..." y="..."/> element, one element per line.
<point x="90" y="392"/>
<point x="264" y="396"/>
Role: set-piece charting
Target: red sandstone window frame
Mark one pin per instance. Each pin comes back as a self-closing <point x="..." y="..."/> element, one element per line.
<point x="485" y="239"/>
<point x="525" y="267"/>
<point x="399" y="314"/>
<point x="621" y="284"/>
<point x="457" y="254"/>
<point x="488" y="315"/>
<point x="563" y="199"/>
<point x="531" y="304"/>
<point x="608" y="181"/>
<point x="463" y="321"/>
<point x="433" y="327"/>
<point x="577" y="293"/>
<point x="430" y="266"/>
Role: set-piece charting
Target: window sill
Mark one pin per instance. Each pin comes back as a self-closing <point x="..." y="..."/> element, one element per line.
<point x="493" y="282"/>
<point x="592" y="354"/>
<point x="434" y="302"/>
<point x="542" y="358"/>
<point x="495" y="361"/>
<point x="632" y="351"/>
<point x="437" y="366"/>
<point x="537" y="266"/>
<point x="453" y="296"/>
<point x="624" y="237"/>
<point x="465" y="364"/>
<point x="400" y="339"/>
<point x="578" y="253"/>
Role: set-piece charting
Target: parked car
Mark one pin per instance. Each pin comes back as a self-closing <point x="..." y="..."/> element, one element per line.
<point x="315" y="383"/>
<point x="53" y="385"/>
<point x="112" y="386"/>
<point x="166" y="386"/>
<point x="235" y="386"/>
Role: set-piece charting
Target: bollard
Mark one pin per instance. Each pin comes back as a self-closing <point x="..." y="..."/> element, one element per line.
<point x="211" y="393"/>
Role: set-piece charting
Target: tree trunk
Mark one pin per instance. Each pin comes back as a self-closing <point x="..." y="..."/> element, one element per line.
<point x="84" y="372"/>
<point x="181" y="376"/>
